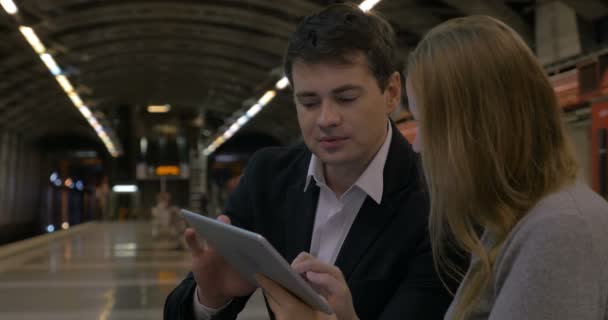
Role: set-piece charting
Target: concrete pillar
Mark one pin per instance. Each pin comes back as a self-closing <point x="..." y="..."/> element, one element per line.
<point x="556" y="31"/>
<point x="198" y="180"/>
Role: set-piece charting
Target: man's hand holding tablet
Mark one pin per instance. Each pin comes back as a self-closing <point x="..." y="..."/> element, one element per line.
<point x="218" y="282"/>
<point x="227" y="265"/>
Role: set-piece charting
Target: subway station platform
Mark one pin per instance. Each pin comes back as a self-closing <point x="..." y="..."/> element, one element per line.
<point x="105" y="271"/>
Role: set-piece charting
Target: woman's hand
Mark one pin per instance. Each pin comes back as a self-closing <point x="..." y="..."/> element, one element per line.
<point x="287" y="307"/>
<point x="328" y="281"/>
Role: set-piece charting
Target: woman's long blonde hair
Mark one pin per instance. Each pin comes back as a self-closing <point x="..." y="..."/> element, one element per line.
<point x="493" y="139"/>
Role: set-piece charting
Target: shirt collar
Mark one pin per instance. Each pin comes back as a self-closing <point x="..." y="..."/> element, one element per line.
<point x="371" y="180"/>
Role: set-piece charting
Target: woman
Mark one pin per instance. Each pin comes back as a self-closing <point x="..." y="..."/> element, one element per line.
<point x="496" y="158"/>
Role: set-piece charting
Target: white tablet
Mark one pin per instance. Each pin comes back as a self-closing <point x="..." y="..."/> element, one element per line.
<point x="250" y="254"/>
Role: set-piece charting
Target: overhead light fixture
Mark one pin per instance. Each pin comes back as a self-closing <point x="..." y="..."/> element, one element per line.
<point x="267" y="97"/>
<point x="86" y="112"/>
<point x="95" y="124"/>
<point x="235" y="126"/>
<point x="254" y="110"/>
<point x="242" y="120"/>
<point x="50" y="64"/>
<point x="159" y="108"/>
<point x="9" y="6"/>
<point x="64" y="83"/>
<point x="368" y="4"/>
<point x="124" y="188"/>
<point x="76" y="99"/>
<point x="32" y="39"/>
<point x="282" y="84"/>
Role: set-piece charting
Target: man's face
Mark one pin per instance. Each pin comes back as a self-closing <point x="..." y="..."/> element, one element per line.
<point x="341" y="110"/>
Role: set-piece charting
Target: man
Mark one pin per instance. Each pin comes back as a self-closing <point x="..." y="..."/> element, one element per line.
<point x="350" y="195"/>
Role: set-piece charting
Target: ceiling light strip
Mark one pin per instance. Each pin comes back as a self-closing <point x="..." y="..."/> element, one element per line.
<point x="30" y="36"/>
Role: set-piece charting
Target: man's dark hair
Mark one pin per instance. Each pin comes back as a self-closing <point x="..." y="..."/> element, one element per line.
<point x="339" y="31"/>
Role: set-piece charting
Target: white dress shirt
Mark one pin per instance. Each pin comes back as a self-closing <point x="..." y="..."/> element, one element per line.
<point x="334" y="216"/>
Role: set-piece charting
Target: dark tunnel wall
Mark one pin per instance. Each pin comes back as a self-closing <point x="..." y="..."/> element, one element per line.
<point x="20" y="187"/>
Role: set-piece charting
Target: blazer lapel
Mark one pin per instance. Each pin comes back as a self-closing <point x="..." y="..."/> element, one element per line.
<point x="300" y="215"/>
<point x="371" y="220"/>
<point x="400" y="174"/>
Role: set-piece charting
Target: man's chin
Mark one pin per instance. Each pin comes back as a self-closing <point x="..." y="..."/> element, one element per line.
<point x="335" y="159"/>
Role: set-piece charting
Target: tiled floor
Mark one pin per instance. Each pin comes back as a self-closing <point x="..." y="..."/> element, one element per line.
<point x="102" y="271"/>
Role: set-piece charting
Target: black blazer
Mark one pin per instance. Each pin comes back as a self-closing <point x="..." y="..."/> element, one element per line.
<point x="386" y="256"/>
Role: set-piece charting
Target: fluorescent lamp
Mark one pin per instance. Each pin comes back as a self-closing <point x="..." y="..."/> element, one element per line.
<point x="124" y="188"/>
<point x="209" y="150"/>
<point x="75" y="99"/>
<point x="159" y="108"/>
<point x="9" y="6"/>
<point x="267" y="97"/>
<point x="254" y="110"/>
<point x="50" y="64"/>
<point x="282" y="84"/>
<point x="32" y="39"/>
<point x="242" y="120"/>
<point x="64" y="83"/>
<point x="230" y="132"/>
<point x="368" y="4"/>
<point x="235" y="127"/>
<point x="86" y="112"/>
<point x="96" y="125"/>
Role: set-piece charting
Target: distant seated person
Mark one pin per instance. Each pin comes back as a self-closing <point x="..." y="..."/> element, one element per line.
<point x="163" y="215"/>
<point x="496" y="158"/>
<point x="350" y="195"/>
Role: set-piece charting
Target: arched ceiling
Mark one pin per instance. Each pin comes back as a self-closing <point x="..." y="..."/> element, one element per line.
<point x="200" y="56"/>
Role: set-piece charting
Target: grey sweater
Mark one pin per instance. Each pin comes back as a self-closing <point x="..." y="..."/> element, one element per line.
<point x="554" y="264"/>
